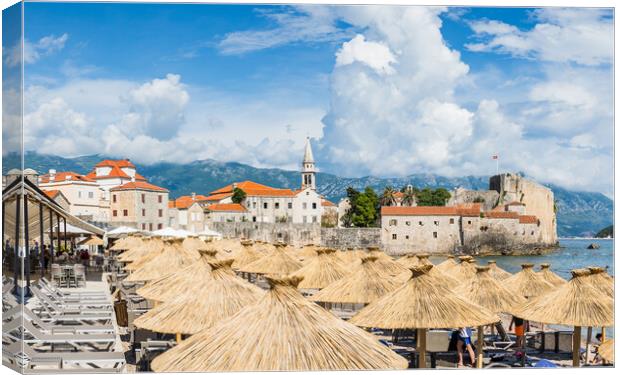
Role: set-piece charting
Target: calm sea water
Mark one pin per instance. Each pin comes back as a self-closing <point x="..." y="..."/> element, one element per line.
<point x="573" y="253"/>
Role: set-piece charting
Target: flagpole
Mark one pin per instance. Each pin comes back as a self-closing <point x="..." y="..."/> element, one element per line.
<point x="497" y="165"/>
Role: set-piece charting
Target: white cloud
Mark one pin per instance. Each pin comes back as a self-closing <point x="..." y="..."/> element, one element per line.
<point x="582" y="36"/>
<point x="307" y="23"/>
<point x="32" y="52"/>
<point x="375" y="55"/>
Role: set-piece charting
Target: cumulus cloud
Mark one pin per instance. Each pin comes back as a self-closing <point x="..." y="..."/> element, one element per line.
<point x="375" y="55"/>
<point x="32" y="52"/>
<point x="582" y="36"/>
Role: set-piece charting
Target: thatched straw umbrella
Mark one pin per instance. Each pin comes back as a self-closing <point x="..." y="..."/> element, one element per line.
<point x="180" y="282"/>
<point x="350" y="255"/>
<point x="172" y="258"/>
<point x="527" y="283"/>
<point x="385" y="262"/>
<point x="601" y="280"/>
<point x="496" y="272"/>
<point x="422" y="303"/>
<point x="246" y="256"/>
<point x="278" y="262"/>
<point x="127" y="243"/>
<point x="408" y="260"/>
<point x="307" y="252"/>
<point x="195" y="310"/>
<point x="489" y="293"/>
<point x="465" y="270"/>
<point x="606" y="350"/>
<point x="195" y="243"/>
<point x="364" y="285"/>
<point x="447" y="265"/>
<point x="576" y="303"/>
<point x="321" y="271"/>
<point x="549" y="276"/>
<point x="282" y="332"/>
<point x="148" y="245"/>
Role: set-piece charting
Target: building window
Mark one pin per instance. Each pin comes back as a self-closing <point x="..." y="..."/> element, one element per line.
<point x="532" y="233"/>
<point x="314" y="206"/>
<point x="159" y="226"/>
<point x="408" y="223"/>
<point x="160" y="212"/>
<point x="304" y="205"/>
<point x="265" y="205"/>
<point x="79" y="194"/>
<point x="143" y="198"/>
<point x="143" y="212"/>
<point x="314" y="220"/>
<point x="254" y="219"/>
<point x="143" y="226"/>
<point x="159" y="198"/>
<point x="407" y="237"/>
<point x="434" y="234"/>
<point x="305" y="219"/>
<point x="290" y="205"/>
<point x="151" y="226"/>
<point x="394" y="236"/>
<point x="114" y="213"/>
<point x="114" y="198"/>
<point x="253" y="204"/>
<point x="124" y="212"/>
<point x="91" y="194"/>
<point x="393" y="222"/>
<point x="469" y="222"/>
<point x="420" y="223"/>
<point x="436" y="222"/>
<point x="452" y="221"/>
<point x="277" y="205"/>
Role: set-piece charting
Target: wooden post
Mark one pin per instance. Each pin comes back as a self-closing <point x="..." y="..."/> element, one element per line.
<point x="421" y="339"/>
<point x="588" y="340"/>
<point x="576" y="345"/>
<point x="603" y="338"/>
<point x="179" y="339"/>
<point x="479" y="347"/>
<point x="41" y="234"/>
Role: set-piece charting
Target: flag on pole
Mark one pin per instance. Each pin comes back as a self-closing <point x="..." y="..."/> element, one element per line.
<point x="495" y="157"/>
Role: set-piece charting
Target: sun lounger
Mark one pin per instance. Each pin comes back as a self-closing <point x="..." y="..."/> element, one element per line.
<point x="49" y="289"/>
<point x="26" y="358"/>
<point x="51" y="306"/>
<point x="55" y="326"/>
<point x="70" y="302"/>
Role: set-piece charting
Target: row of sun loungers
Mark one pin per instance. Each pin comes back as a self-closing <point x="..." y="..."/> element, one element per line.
<point x="60" y="331"/>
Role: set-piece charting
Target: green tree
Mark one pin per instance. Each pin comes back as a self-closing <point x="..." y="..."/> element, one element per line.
<point x="364" y="210"/>
<point x="388" y="198"/>
<point x="238" y="195"/>
<point x="430" y="197"/>
<point x="409" y="196"/>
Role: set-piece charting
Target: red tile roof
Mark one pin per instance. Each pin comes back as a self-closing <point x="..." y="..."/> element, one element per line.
<point x="139" y="185"/>
<point x="244" y="185"/>
<point x="62" y="176"/>
<point x="186" y="201"/>
<point x="252" y="189"/>
<point x="501" y="215"/>
<point x="122" y="163"/>
<point x="270" y="192"/>
<point x="231" y="207"/>
<point x="51" y="193"/>
<point x="218" y="197"/>
<point x="469" y="209"/>
<point x="326" y="203"/>
<point x="116" y="172"/>
<point x="419" y="211"/>
<point x="528" y="219"/>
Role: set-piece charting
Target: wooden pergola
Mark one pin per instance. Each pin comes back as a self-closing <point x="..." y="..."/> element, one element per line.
<point x="28" y="213"/>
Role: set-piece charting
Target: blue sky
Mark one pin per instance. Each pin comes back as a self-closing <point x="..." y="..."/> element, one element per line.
<point x="386" y="91"/>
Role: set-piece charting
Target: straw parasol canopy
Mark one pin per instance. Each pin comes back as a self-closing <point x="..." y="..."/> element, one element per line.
<point x="148" y="245"/>
<point x="195" y="244"/>
<point x="549" y="276"/>
<point x="388" y="265"/>
<point x="307" y="252"/>
<point x="223" y="295"/>
<point x="321" y="271"/>
<point x="172" y="258"/>
<point x="278" y="262"/>
<point x="246" y="255"/>
<point x="606" y="350"/>
<point x="447" y="265"/>
<point x="576" y="303"/>
<point x="408" y="260"/>
<point x="364" y="285"/>
<point x="282" y="332"/>
<point x="422" y="302"/>
<point x="91" y="241"/>
<point x="126" y="243"/>
<point x="350" y="256"/>
<point x="527" y="283"/>
<point x="601" y="280"/>
<point x="496" y="272"/>
<point x="464" y="270"/>
<point x="180" y="282"/>
<point x="489" y="293"/>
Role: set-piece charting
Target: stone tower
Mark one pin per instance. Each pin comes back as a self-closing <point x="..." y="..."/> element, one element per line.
<point x="308" y="179"/>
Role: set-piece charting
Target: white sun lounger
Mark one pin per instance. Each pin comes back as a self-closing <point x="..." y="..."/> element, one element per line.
<point x="22" y="312"/>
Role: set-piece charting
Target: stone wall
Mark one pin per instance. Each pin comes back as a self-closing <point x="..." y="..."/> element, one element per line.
<point x="460" y="196"/>
<point x="290" y="233"/>
<point x="342" y="238"/>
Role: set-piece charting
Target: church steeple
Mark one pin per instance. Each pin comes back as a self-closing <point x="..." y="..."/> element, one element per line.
<point x="307" y="168"/>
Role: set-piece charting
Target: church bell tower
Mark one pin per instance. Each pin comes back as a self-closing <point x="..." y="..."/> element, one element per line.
<point x="308" y="179"/>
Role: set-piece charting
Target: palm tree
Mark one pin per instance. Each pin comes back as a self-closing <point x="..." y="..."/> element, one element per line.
<point x="408" y="196"/>
<point x="388" y="198"/>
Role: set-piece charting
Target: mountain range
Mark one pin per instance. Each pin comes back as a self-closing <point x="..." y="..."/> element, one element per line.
<point x="580" y="213"/>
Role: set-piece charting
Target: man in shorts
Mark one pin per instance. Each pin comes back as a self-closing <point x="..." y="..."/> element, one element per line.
<point x="465" y="342"/>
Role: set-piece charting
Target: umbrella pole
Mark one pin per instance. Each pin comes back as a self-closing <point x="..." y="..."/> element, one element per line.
<point x="603" y="338"/>
<point x="480" y="345"/>
<point x="588" y="340"/>
<point x="576" y="345"/>
<point x="421" y="339"/>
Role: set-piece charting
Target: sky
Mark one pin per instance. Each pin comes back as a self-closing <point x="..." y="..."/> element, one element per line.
<point x="380" y="90"/>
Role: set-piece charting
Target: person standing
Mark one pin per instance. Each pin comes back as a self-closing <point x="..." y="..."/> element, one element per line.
<point x="464" y="342"/>
<point x="519" y="331"/>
